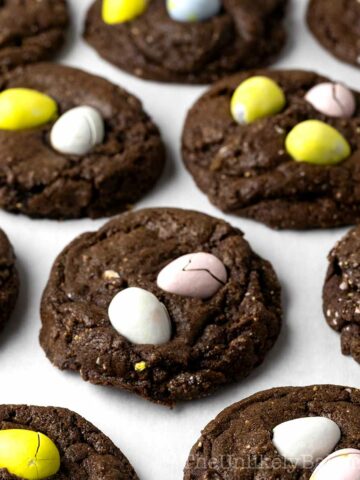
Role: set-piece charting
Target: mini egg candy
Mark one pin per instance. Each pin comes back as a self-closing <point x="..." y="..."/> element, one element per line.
<point x="332" y="99"/>
<point x="121" y="11"/>
<point x="306" y="440"/>
<point x="138" y="316"/>
<point x="197" y="275"/>
<point x="29" y="455"/>
<point x="193" y="10"/>
<point x="341" y="465"/>
<point x="316" y="142"/>
<point x="255" y="98"/>
<point x="23" y="108"/>
<point x="78" y="131"/>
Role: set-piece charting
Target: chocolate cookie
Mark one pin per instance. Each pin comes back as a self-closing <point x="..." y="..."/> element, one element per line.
<point x="30" y="30"/>
<point x="245" y="34"/>
<point x="250" y="439"/>
<point x="335" y="24"/>
<point x="342" y="292"/>
<point x="39" y="181"/>
<point x="85" y="452"/>
<point x="9" y="280"/>
<point x="246" y="169"/>
<point x="185" y="332"/>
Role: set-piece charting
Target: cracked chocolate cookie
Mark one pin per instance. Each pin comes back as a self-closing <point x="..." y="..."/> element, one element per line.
<point x="169" y="304"/>
<point x="276" y="159"/>
<point x="158" y="45"/>
<point x="288" y="433"/>
<point x="335" y="25"/>
<point x="9" y="280"/>
<point x="31" y="30"/>
<point x="65" y="446"/>
<point x="341" y="293"/>
<point x="73" y="144"/>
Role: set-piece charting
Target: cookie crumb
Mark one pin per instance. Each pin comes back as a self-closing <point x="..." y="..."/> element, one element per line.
<point x="110" y="275"/>
<point x="140" y="366"/>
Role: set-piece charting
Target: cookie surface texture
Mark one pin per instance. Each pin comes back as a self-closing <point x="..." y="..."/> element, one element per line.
<point x="39" y="181"/>
<point x="31" y="30"/>
<point x="85" y="452"/>
<point x="245" y="169"/>
<point x="245" y="34"/>
<point x="213" y="341"/>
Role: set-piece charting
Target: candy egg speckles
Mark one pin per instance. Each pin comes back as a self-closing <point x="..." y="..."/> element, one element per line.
<point x="27" y="454"/>
<point x="193" y="10"/>
<point x="78" y="131"/>
<point x="139" y="317"/>
<point x="316" y="142"/>
<point x="304" y="441"/>
<point x="255" y="98"/>
<point x="197" y="275"/>
<point x="121" y="11"/>
<point x="23" y="108"/>
<point x="341" y="465"/>
<point x="332" y="99"/>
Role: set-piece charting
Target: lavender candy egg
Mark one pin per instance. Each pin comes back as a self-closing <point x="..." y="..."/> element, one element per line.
<point x="332" y="99"/>
<point x="196" y="275"/>
<point x="341" y="465"/>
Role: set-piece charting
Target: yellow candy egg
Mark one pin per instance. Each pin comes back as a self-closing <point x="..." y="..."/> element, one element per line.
<point x="121" y="11"/>
<point x="316" y="142"/>
<point x="255" y="98"/>
<point x="29" y="455"/>
<point x="23" y="108"/>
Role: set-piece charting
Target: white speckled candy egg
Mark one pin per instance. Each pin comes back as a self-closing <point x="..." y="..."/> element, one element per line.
<point x="77" y="131"/>
<point x="139" y="317"/>
<point x="197" y="275"/>
<point x="306" y="440"/>
<point x="193" y="10"/>
<point x="340" y="465"/>
<point x="332" y="99"/>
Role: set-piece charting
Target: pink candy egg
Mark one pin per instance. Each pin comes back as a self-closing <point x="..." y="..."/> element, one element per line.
<point x="332" y="99"/>
<point x="197" y="275"/>
<point x="340" y="465"/>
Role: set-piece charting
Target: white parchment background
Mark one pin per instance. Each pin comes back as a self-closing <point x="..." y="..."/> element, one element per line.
<point x="155" y="439"/>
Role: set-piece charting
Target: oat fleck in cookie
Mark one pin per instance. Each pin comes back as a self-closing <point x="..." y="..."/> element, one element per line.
<point x="289" y="433"/>
<point x="335" y="24"/>
<point x="186" y="41"/>
<point x="342" y="292"/>
<point x="169" y="304"/>
<point x="73" y="144"/>
<point x="9" y="280"/>
<point x="48" y="442"/>
<point x="280" y="147"/>
<point x="31" y="30"/>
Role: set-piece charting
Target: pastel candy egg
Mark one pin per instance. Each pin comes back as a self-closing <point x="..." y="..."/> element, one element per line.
<point x="197" y="275"/>
<point x="77" y="131"/>
<point x="23" y="108"/>
<point x="316" y="142"/>
<point x="193" y="10"/>
<point x="340" y="465"/>
<point x="304" y="441"/>
<point x="255" y="98"/>
<point x="332" y="99"/>
<point x="27" y="454"/>
<point x="139" y="317"/>
<point x="121" y="11"/>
